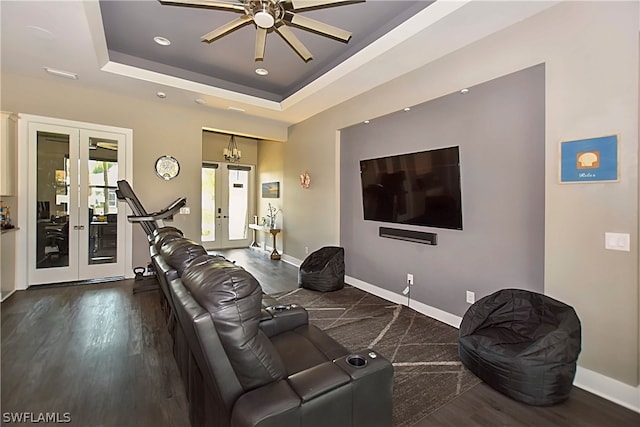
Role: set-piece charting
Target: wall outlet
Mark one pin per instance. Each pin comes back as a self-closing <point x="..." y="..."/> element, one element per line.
<point x="409" y="279"/>
<point x="306" y="250"/>
<point x="185" y="211"/>
<point x="471" y="297"/>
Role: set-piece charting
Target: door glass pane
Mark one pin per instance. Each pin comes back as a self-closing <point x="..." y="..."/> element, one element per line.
<point x="208" y="204"/>
<point x="52" y="181"/>
<point x="238" y="204"/>
<point x="103" y="204"/>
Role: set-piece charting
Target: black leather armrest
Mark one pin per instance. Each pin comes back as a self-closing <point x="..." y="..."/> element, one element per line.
<point x="283" y="318"/>
<point x="274" y="405"/>
<point x="363" y="363"/>
<point x="372" y="385"/>
<point x="265" y="315"/>
<point x="318" y="380"/>
<point x="268" y="301"/>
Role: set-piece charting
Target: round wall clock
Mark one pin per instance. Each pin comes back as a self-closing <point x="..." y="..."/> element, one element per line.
<point x="167" y="167"/>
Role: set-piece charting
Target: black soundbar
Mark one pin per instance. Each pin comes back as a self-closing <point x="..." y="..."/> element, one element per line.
<point x="409" y="235"/>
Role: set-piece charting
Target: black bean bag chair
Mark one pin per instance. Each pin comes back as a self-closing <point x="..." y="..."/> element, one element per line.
<point x="323" y="270"/>
<point x="523" y="344"/>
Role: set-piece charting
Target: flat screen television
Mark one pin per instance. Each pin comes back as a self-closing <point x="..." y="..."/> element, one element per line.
<point x="420" y="188"/>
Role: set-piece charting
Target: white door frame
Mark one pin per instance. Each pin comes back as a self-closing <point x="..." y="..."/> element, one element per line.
<point x="26" y="178"/>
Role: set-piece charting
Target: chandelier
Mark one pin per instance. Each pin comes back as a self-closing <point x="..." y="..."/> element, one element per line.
<point x="231" y="153"/>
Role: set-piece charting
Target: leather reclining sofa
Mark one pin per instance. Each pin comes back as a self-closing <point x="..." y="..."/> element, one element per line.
<point x="246" y="360"/>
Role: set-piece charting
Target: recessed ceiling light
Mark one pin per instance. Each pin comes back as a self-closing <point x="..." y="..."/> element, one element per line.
<point x="200" y="101"/>
<point x="162" y="41"/>
<point x="464" y="91"/>
<point x="406" y="109"/>
<point x="366" y="122"/>
<point x="60" y="73"/>
<point x="262" y="71"/>
<point x="161" y="95"/>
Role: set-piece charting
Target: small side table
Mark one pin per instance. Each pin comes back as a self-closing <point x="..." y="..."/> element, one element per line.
<point x="274" y="254"/>
<point x="274" y="231"/>
<point x="254" y="244"/>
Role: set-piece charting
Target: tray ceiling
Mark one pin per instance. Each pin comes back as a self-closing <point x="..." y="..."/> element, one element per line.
<point x="109" y="45"/>
<point x="228" y="62"/>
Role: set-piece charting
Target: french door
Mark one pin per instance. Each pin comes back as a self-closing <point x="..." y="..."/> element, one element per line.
<point x="227" y="195"/>
<point x="76" y="229"/>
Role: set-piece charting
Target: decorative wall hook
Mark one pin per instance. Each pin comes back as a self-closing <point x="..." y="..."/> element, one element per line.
<point x="305" y="180"/>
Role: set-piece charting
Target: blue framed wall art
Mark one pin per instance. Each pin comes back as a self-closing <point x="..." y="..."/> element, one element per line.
<point x="589" y="160"/>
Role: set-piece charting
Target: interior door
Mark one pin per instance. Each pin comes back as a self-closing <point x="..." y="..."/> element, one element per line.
<point x="77" y="231"/>
<point x="227" y="195"/>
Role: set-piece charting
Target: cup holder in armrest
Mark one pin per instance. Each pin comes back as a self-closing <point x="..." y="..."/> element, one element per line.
<point x="356" y="361"/>
<point x="282" y="318"/>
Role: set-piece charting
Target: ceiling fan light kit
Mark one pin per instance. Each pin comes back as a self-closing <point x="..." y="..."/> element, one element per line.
<point x="265" y="13"/>
<point x="277" y="14"/>
<point x="263" y="19"/>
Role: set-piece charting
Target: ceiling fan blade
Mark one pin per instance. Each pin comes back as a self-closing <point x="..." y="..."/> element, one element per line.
<point x="317" y="26"/>
<point x="226" y="28"/>
<point x="261" y="39"/>
<point x="205" y="3"/>
<point x="295" y="43"/>
<point x="308" y="4"/>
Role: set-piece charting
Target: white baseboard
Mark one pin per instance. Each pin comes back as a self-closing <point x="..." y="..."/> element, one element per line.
<point x="291" y="260"/>
<point x="613" y="390"/>
<point x="375" y="290"/>
<point x="427" y="310"/>
<point x="8" y="295"/>
<point x="436" y="313"/>
<point x="608" y="388"/>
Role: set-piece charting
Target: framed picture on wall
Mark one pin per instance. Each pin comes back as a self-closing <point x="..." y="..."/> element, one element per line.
<point x="271" y="190"/>
<point x="589" y="160"/>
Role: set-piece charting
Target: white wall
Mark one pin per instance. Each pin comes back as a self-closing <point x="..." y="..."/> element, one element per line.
<point x="270" y="167"/>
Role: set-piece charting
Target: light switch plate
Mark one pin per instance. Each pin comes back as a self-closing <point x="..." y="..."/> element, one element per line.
<point x="617" y="241"/>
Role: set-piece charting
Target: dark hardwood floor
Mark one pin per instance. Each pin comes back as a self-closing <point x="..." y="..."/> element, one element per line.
<point x="95" y="352"/>
<point x="482" y="406"/>
<point x="103" y="355"/>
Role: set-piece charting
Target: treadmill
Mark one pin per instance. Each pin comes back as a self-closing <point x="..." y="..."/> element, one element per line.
<point x="151" y="223"/>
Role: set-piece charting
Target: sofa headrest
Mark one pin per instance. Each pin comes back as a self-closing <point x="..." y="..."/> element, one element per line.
<point x="232" y="296"/>
<point x="166" y="236"/>
<point x="167" y="230"/>
<point x="179" y="253"/>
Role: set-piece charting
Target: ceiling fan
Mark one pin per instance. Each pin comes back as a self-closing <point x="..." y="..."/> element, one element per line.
<point x="276" y="14"/>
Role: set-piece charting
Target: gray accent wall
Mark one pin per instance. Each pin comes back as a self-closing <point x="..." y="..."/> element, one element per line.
<point x="500" y="129"/>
